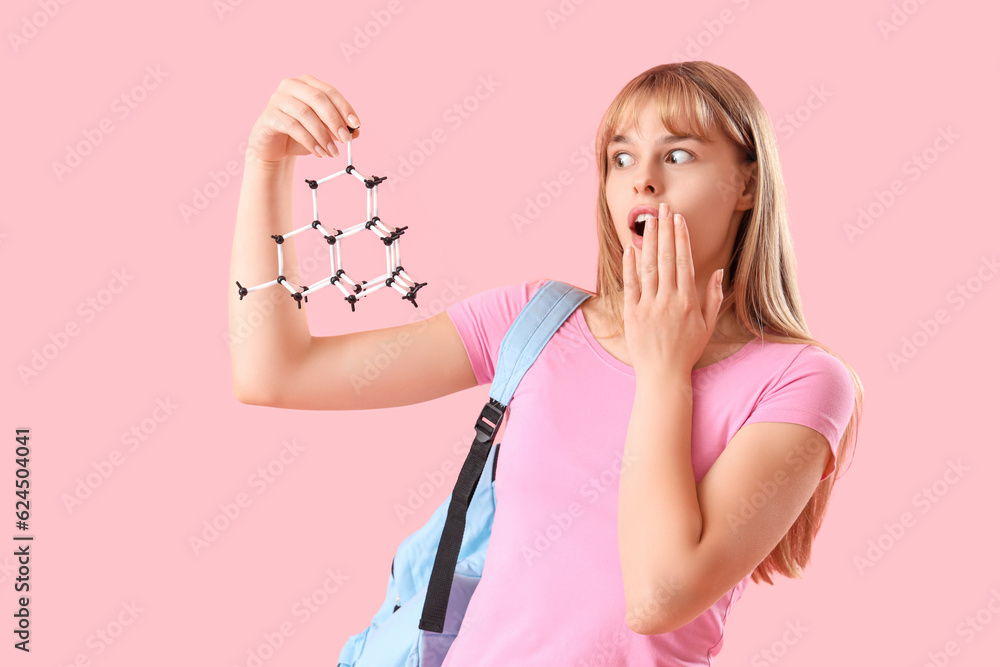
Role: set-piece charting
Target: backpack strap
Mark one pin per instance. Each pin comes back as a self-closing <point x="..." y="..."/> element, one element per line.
<point x="537" y="322"/>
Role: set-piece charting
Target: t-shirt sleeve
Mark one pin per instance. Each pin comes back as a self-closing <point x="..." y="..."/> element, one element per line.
<point x="816" y="390"/>
<point x="482" y="320"/>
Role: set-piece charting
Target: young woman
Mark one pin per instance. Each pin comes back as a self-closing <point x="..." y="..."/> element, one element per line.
<point x="678" y="435"/>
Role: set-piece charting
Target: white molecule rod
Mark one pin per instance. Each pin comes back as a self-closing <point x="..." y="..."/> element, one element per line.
<point x="394" y="275"/>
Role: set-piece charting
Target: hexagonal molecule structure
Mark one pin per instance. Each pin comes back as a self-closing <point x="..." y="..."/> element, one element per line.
<point x="394" y="276"/>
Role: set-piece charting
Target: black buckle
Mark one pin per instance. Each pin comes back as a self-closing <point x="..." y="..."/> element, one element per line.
<point x="492" y="412"/>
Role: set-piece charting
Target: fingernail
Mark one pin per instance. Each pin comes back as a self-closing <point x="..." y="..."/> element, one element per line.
<point x="677" y="219"/>
<point x="344" y="134"/>
<point x="353" y="120"/>
<point x="332" y="149"/>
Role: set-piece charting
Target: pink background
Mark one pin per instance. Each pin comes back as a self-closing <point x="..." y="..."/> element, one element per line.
<point x="159" y="336"/>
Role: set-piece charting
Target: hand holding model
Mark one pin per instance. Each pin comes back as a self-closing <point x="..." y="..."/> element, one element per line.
<point x="304" y="115"/>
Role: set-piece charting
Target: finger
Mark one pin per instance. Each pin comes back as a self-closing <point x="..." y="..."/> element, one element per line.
<point x="629" y="280"/>
<point x="667" y="252"/>
<point x="683" y="257"/>
<point x="314" y="109"/>
<point x="713" y="300"/>
<point x="648" y="261"/>
<point x="282" y="122"/>
<point x="347" y="116"/>
<point x="319" y="133"/>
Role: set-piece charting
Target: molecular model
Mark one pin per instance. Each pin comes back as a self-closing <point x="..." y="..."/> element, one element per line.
<point x="354" y="291"/>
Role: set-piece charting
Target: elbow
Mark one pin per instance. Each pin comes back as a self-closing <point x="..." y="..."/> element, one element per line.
<point x="645" y="619"/>
<point x="247" y="397"/>
<point x="652" y="629"/>
<point x="249" y="386"/>
<point x="642" y="622"/>
<point x="657" y="612"/>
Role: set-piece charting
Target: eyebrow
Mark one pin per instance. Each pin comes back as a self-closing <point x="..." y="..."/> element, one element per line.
<point x="665" y="140"/>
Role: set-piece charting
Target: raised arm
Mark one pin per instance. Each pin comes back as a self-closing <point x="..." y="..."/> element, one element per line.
<point x="276" y="361"/>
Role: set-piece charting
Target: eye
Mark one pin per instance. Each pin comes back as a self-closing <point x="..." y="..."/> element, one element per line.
<point x="615" y="158"/>
<point x="680" y="150"/>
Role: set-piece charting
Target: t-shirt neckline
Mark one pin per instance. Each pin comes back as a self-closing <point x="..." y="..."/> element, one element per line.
<point x="621" y="366"/>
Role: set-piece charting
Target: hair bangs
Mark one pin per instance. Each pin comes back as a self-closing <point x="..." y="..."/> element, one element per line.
<point x="681" y="107"/>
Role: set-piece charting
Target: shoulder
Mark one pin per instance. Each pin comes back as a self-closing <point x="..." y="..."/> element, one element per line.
<point x="783" y="361"/>
<point x="808" y="386"/>
<point x="482" y="319"/>
<point x="805" y="377"/>
<point x="812" y="361"/>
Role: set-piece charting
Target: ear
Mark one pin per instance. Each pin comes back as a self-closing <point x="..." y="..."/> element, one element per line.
<point x="748" y="196"/>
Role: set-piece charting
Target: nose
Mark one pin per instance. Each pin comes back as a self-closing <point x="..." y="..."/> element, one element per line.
<point x="647" y="181"/>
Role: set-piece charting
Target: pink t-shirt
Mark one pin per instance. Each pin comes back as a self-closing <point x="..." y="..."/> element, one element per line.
<point x="552" y="591"/>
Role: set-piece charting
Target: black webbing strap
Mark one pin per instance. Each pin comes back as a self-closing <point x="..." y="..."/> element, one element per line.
<point x="443" y="574"/>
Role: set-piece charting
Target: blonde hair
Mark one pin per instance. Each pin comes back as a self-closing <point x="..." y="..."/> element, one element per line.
<point x="760" y="281"/>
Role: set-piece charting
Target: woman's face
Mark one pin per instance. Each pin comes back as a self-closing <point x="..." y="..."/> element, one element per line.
<point x="704" y="182"/>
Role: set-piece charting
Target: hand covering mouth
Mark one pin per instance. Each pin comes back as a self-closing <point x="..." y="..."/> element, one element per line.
<point x="639" y="227"/>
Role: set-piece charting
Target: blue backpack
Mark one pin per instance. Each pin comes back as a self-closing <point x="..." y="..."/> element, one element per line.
<point x="441" y="563"/>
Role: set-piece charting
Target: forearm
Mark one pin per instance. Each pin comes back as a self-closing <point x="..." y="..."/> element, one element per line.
<point x="659" y="517"/>
<point x="263" y="346"/>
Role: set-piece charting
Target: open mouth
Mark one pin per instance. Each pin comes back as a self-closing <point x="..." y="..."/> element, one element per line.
<point x="639" y="227"/>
